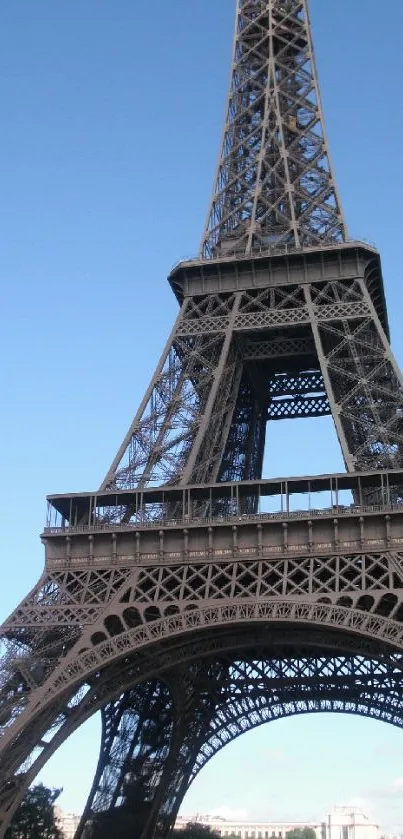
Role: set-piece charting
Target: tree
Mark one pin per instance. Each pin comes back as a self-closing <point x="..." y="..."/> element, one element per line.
<point x="35" y="817"/>
<point x="195" y="831"/>
<point x="301" y="833"/>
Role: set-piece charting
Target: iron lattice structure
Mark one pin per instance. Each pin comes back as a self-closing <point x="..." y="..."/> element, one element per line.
<point x="274" y="182"/>
<point x="189" y="599"/>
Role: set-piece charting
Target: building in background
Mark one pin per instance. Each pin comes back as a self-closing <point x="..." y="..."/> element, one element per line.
<point x="68" y="823"/>
<point x="247" y="829"/>
<point x="350" y="823"/>
<point x="342" y="823"/>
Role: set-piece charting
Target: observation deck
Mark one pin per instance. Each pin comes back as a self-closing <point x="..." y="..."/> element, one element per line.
<point x="283" y="265"/>
<point x="299" y="516"/>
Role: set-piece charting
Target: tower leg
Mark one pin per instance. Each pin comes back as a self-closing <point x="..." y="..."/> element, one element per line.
<point x="141" y="785"/>
<point x="151" y="738"/>
<point x="363" y="382"/>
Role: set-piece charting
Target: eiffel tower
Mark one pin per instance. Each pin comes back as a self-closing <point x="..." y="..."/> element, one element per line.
<point x="190" y="599"/>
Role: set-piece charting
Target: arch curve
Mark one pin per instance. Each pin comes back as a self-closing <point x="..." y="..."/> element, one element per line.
<point x="252" y="685"/>
<point x="204" y="617"/>
<point x="86" y="681"/>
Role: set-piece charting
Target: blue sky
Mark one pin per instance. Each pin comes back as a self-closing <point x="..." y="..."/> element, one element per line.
<point x="111" y="120"/>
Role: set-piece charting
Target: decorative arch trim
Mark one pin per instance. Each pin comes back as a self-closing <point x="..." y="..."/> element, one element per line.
<point x="75" y="668"/>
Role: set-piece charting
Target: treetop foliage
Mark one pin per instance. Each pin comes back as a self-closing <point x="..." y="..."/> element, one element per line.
<point x="195" y="831"/>
<point x="35" y="817"/>
<point x="301" y="833"/>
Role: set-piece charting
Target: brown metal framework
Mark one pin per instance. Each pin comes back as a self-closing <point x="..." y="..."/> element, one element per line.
<point x="274" y="182"/>
<point x="189" y="599"/>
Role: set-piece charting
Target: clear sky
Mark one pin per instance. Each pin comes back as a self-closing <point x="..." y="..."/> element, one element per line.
<point x="111" y="119"/>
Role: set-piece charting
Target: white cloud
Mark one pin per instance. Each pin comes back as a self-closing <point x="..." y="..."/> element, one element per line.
<point x="386" y="749"/>
<point x="396" y="788"/>
<point x="364" y="804"/>
<point x="392" y="790"/>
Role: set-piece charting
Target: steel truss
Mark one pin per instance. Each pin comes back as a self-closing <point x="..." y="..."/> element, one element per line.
<point x="204" y="416"/>
<point x="133" y="639"/>
<point x="169" y="600"/>
<point x="274" y="182"/>
<point x="226" y="699"/>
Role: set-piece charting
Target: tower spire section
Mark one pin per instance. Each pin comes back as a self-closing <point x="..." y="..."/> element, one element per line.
<point x="274" y="184"/>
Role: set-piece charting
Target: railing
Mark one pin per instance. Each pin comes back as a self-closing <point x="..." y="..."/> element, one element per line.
<point x="239" y="518"/>
<point x="253" y="551"/>
<point x="275" y="250"/>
